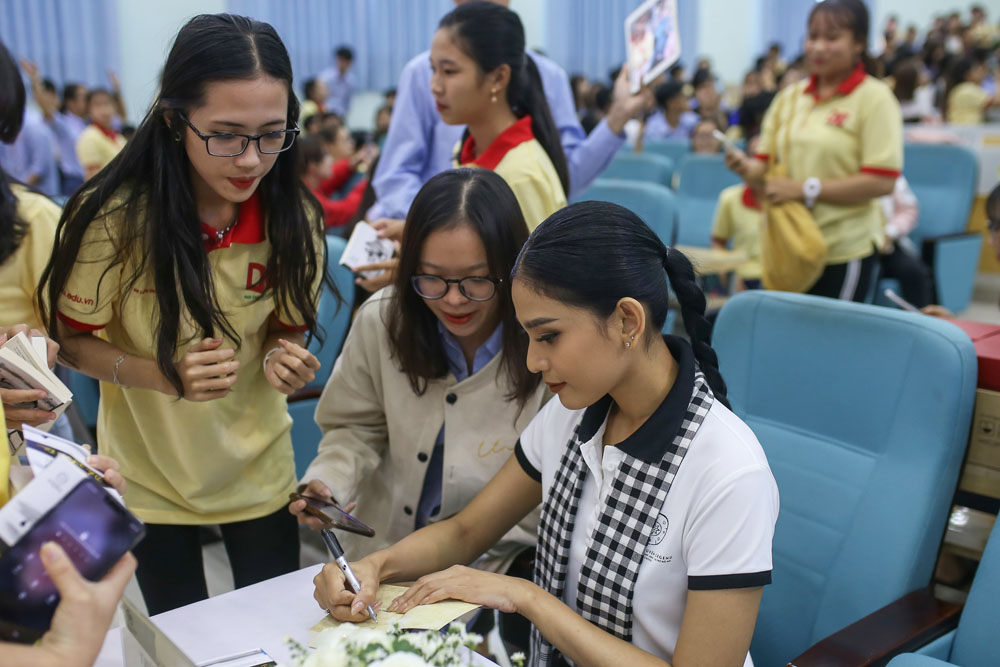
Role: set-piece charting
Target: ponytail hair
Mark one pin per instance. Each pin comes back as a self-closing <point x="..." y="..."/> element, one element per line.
<point x="593" y="254"/>
<point x="493" y="36"/>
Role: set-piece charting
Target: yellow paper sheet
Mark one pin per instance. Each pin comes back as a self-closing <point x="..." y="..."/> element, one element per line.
<point x="424" y="617"/>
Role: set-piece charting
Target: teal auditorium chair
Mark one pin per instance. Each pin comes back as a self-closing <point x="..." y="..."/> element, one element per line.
<point x="654" y="203"/>
<point x="944" y="179"/>
<point x="700" y="179"/>
<point x="643" y="167"/>
<point x="974" y="642"/>
<point x="673" y="149"/>
<point x="335" y="318"/>
<point x="86" y="395"/>
<point x="863" y="413"/>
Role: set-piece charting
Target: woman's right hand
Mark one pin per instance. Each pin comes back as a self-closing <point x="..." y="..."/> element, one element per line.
<point x="320" y="491"/>
<point x="738" y="162"/>
<point x="332" y="594"/>
<point x="208" y="372"/>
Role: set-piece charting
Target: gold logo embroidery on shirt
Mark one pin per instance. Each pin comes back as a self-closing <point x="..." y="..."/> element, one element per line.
<point x="496" y="448"/>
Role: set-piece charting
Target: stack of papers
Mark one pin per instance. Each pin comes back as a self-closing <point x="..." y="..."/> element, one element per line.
<point x="24" y="365"/>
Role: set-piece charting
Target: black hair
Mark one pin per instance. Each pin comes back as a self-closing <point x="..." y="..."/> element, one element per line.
<point x="390" y="92"/>
<point x="96" y="92"/>
<point x="675" y="70"/>
<point x="345" y="52"/>
<point x="593" y="254"/>
<point x="311" y="151"/>
<point x="308" y="121"/>
<point x="12" y="97"/>
<point x="775" y="46"/>
<point x="482" y="200"/>
<point x="957" y="70"/>
<point x="70" y="91"/>
<point x="603" y="98"/>
<point x="666" y="92"/>
<point x="702" y="76"/>
<point x="48" y="85"/>
<point x="993" y="208"/>
<point x="309" y="86"/>
<point x="144" y="197"/>
<point x="852" y="15"/>
<point x="493" y="36"/>
<point x="907" y="77"/>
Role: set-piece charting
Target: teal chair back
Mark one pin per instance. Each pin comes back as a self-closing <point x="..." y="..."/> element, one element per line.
<point x="333" y="315"/>
<point x="305" y="433"/>
<point x="976" y="636"/>
<point x="654" y="203"/>
<point x="863" y="413"/>
<point x="644" y="167"/>
<point x="944" y="178"/>
<point x="700" y="179"/>
<point x="86" y="395"/>
<point x="673" y="149"/>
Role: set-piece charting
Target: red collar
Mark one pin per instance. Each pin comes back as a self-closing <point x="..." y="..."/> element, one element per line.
<point x="249" y="227"/>
<point x="514" y="135"/>
<point x="749" y="200"/>
<point x="846" y="86"/>
<point x="106" y="131"/>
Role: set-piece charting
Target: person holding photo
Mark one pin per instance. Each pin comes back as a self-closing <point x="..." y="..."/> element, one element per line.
<point x="658" y="506"/>
<point x="184" y="277"/>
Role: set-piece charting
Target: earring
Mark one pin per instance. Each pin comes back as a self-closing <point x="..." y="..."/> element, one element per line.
<point x="628" y="343"/>
<point x="493" y="96"/>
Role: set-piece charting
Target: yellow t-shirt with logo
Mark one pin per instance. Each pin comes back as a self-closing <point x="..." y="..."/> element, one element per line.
<point x="517" y="157"/>
<point x="20" y="273"/>
<point x="4" y="465"/>
<point x="186" y="462"/>
<point x="967" y="104"/>
<point x="859" y="129"/>
<point x="737" y="220"/>
<point x="95" y="149"/>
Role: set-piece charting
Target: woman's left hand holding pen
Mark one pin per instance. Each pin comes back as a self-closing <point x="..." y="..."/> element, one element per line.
<point x="333" y="594"/>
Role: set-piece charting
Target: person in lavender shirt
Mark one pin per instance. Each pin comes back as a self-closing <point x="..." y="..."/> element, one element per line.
<point x="420" y="145"/>
<point x="673" y="119"/>
<point x="340" y="82"/>
<point x="31" y="158"/>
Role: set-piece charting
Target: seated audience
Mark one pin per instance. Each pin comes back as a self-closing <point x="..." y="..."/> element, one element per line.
<point x="706" y="94"/>
<point x="100" y="142"/>
<point x="673" y="119"/>
<point x="316" y="168"/>
<point x="900" y="258"/>
<point x="315" y="100"/>
<point x="703" y="139"/>
<point x="967" y="101"/>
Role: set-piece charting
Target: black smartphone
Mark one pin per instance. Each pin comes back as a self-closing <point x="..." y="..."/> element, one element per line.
<point x="94" y="530"/>
<point x="334" y="517"/>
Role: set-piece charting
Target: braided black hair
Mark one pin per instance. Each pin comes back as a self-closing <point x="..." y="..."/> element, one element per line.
<point x="593" y="254"/>
<point x="680" y="273"/>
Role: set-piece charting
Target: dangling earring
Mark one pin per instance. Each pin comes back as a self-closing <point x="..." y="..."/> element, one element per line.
<point x="493" y="96"/>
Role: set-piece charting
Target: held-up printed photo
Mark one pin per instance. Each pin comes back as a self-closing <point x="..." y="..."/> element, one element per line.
<point x="652" y="41"/>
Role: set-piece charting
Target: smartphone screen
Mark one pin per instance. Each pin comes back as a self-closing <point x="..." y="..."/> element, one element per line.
<point x="334" y="516"/>
<point x="94" y="530"/>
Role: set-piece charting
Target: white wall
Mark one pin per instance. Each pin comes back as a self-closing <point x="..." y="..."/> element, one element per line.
<point x="532" y="13"/>
<point x="731" y="34"/>
<point x="147" y="30"/>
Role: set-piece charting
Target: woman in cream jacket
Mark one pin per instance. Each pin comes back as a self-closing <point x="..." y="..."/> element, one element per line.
<point x="430" y="392"/>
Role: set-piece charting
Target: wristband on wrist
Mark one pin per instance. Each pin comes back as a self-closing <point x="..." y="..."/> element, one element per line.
<point x="268" y="356"/>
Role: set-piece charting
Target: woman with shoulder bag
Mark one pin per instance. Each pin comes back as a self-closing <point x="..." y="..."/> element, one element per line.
<point x="838" y="136"/>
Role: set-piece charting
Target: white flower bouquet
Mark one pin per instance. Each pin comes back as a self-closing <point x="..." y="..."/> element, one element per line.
<point x="351" y="646"/>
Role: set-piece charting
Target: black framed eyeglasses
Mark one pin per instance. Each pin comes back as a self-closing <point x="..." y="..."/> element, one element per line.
<point x="232" y="144"/>
<point x="473" y="288"/>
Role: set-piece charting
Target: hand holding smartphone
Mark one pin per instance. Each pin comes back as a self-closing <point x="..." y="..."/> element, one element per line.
<point x="332" y="515"/>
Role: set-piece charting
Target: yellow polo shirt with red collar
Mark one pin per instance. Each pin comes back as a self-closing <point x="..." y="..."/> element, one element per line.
<point x="97" y="146"/>
<point x="737" y="220"/>
<point x="859" y="129"/>
<point x="967" y="104"/>
<point x="186" y="462"/>
<point x="20" y="273"/>
<point x="525" y="166"/>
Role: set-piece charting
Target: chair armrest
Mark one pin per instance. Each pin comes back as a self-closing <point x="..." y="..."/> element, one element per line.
<point x="901" y="626"/>
<point x="305" y="394"/>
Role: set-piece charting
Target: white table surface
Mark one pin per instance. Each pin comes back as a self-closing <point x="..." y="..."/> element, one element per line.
<point x="258" y="616"/>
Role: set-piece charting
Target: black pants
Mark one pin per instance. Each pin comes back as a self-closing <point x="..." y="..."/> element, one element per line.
<point x="914" y="276"/>
<point x="171" y="572"/>
<point x="850" y="281"/>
